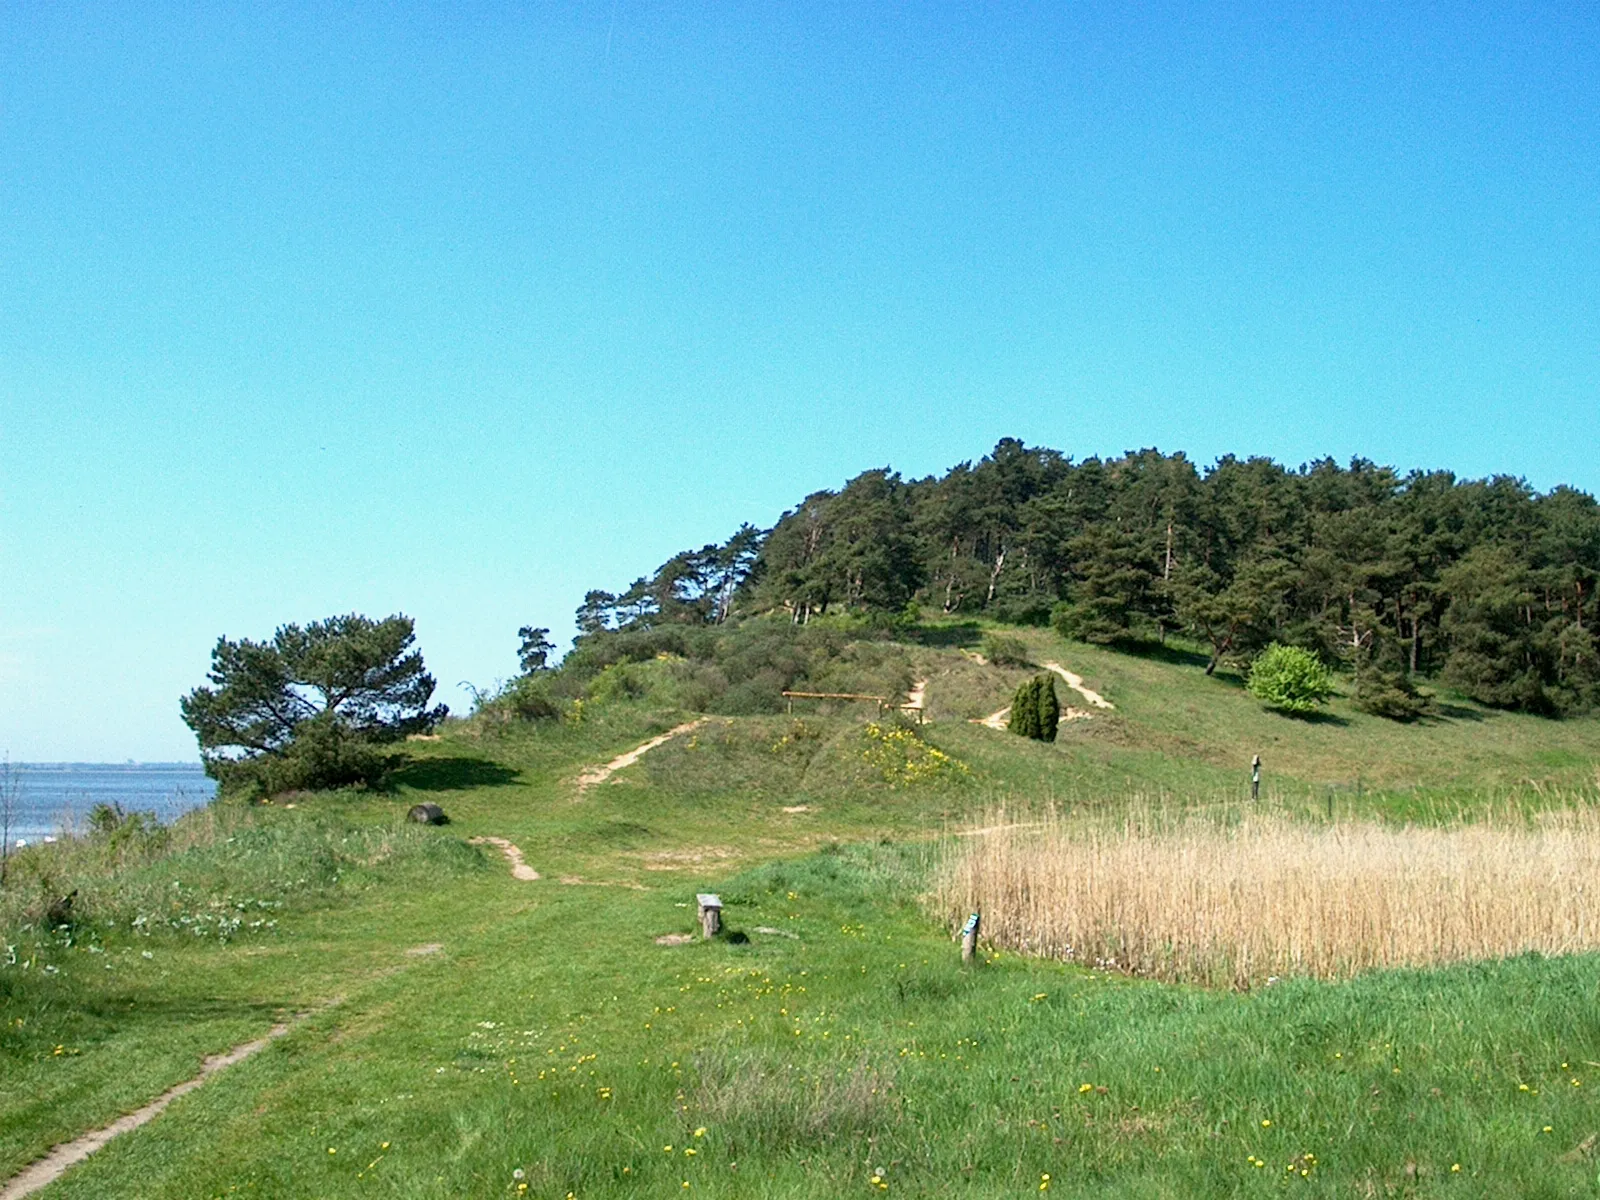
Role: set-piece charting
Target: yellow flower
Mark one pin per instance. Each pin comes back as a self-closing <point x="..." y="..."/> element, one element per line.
<point x="1266" y="1123"/>
<point x="1085" y="1087"/>
<point x="701" y="1132"/>
<point x="1455" y="1166"/>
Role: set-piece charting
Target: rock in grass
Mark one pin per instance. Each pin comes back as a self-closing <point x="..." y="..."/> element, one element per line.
<point x="427" y="814"/>
<point x="60" y="911"/>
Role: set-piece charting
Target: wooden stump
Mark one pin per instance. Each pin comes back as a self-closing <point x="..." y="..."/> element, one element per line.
<point x="710" y="909"/>
<point x="969" y="938"/>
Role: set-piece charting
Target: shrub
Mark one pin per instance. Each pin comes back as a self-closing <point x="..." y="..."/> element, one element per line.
<point x="1035" y="710"/>
<point x="1388" y="694"/>
<point x="1289" y="678"/>
<point x="325" y="754"/>
<point x="1003" y="650"/>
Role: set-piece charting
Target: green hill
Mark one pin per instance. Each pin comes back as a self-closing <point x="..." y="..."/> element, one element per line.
<point x="457" y="1031"/>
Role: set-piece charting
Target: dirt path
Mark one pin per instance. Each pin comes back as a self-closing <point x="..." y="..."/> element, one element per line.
<point x="596" y="775"/>
<point x="1075" y="682"/>
<point x="61" y="1158"/>
<point x="519" y="869"/>
<point x="917" y="697"/>
<point x="988" y="829"/>
<point x="996" y="720"/>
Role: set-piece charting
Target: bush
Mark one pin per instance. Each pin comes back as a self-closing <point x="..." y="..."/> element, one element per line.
<point x="1003" y="650"/>
<point x="1388" y="694"/>
<point x="1035" y="710"/>
<point x="324" y="755"/>
<point x="1289" y="678"/>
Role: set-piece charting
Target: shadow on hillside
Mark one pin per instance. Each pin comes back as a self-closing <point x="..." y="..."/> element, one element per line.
<point x="453" y="774"/>
<point x="1444" y="711"/>
<point x="1313" y="718"/>
<point x="1156" y="652"/>
<point x="963" y="633"/>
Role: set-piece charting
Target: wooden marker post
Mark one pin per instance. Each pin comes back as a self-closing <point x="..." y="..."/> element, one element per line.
<point x="710" y="907"/>
<point x="1255" y="778"/>
<point x="969" y="938"/>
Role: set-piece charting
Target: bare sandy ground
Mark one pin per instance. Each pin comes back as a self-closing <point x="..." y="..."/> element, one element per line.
<point x="1075" y="682"/>
<point x="519" y="869"/>
<point x="61" y="1158"/>
<point x="596" y="775"/>
<point x="997" y="720"/>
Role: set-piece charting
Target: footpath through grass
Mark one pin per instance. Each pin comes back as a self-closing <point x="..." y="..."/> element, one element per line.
<point x="466" y="1034"/>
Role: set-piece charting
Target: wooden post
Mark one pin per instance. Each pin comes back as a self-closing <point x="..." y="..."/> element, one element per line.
<point x="1255" y="778"/>
<point x="969" y="938"/>
<point x="710" y="908"/>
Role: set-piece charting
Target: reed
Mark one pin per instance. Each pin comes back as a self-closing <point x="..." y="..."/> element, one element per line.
<point x="1234" y="897"/>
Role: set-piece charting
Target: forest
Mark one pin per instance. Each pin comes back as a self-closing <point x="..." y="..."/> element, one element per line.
<point x="1484" y="585"/>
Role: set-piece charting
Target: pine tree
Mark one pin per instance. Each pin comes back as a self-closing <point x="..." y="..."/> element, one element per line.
<point x="1025" y="709"/>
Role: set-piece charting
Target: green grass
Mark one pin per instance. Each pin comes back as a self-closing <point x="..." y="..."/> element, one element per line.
<point x="553" y="1035"/>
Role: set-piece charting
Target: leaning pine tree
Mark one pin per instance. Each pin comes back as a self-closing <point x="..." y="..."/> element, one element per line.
<point x="1035" y="711"/>
<point x="318" y="706"/>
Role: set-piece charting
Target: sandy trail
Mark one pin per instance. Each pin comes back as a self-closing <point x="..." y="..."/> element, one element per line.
<point x="917" y="699"/>
<point x="519" y="869"/>
<point x="1075" y="682"/>
<point x="988" y="829"/>
<point x="61" y="1158"/>
<point x="596" y="775"/>
<point x="995" y="720"/>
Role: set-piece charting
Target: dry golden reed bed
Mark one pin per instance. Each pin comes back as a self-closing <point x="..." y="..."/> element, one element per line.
<point x="1238" y="901"/>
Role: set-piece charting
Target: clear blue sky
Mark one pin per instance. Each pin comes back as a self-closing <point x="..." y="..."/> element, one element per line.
<point x="460" y="310"/>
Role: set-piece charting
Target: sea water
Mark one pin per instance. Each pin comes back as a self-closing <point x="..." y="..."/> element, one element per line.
<point x="55" y="798"/>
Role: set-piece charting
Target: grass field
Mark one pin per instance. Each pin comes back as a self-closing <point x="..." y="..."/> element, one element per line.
<point x="462" y="1033"/>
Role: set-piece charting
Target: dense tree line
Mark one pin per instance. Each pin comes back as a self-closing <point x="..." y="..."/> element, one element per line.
<point x="1486" y="584"/>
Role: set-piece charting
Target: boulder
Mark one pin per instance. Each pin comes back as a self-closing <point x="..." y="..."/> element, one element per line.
<point x="427" y="814"/>
<point x="59" y="913"/>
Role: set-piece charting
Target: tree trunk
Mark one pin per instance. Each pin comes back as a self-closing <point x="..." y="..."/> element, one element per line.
<point x="994" y="576"/>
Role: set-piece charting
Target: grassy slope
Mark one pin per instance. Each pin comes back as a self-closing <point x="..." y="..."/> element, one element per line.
<point x="809" y="1060"/>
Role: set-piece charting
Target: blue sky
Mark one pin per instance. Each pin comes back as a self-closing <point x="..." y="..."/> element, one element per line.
<point x="460" y="310"/>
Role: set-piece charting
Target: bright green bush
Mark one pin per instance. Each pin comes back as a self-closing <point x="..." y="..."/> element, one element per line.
<point x="1289" y="678"/>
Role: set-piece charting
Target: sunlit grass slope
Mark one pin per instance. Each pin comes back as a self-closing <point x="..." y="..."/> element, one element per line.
<point x="457" y="1027"/>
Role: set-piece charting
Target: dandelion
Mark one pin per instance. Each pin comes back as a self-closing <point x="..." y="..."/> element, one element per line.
<point x="517" y="1174"/>
<point x="1266" y="1123"/>
<point x="1085" y="1087"/>
<point x="1549" y="1129"/>
<point x="701" y="1132"/>
<point x="690" y="1151"/>
<point x="1044" y="1182"/>
<point x="1455" y="1168"/>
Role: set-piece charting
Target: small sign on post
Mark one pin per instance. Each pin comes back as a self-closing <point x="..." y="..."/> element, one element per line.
<point x="969" y="938"/>
<point x="710" y="908"/>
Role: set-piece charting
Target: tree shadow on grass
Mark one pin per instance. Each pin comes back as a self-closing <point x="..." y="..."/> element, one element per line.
<point x="1156" y="652"/>
<point x="453" y="773"/>
<point x="1444" y="711"/>
<point x="961" y="633"/>
<point x="1312" y="718"/>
